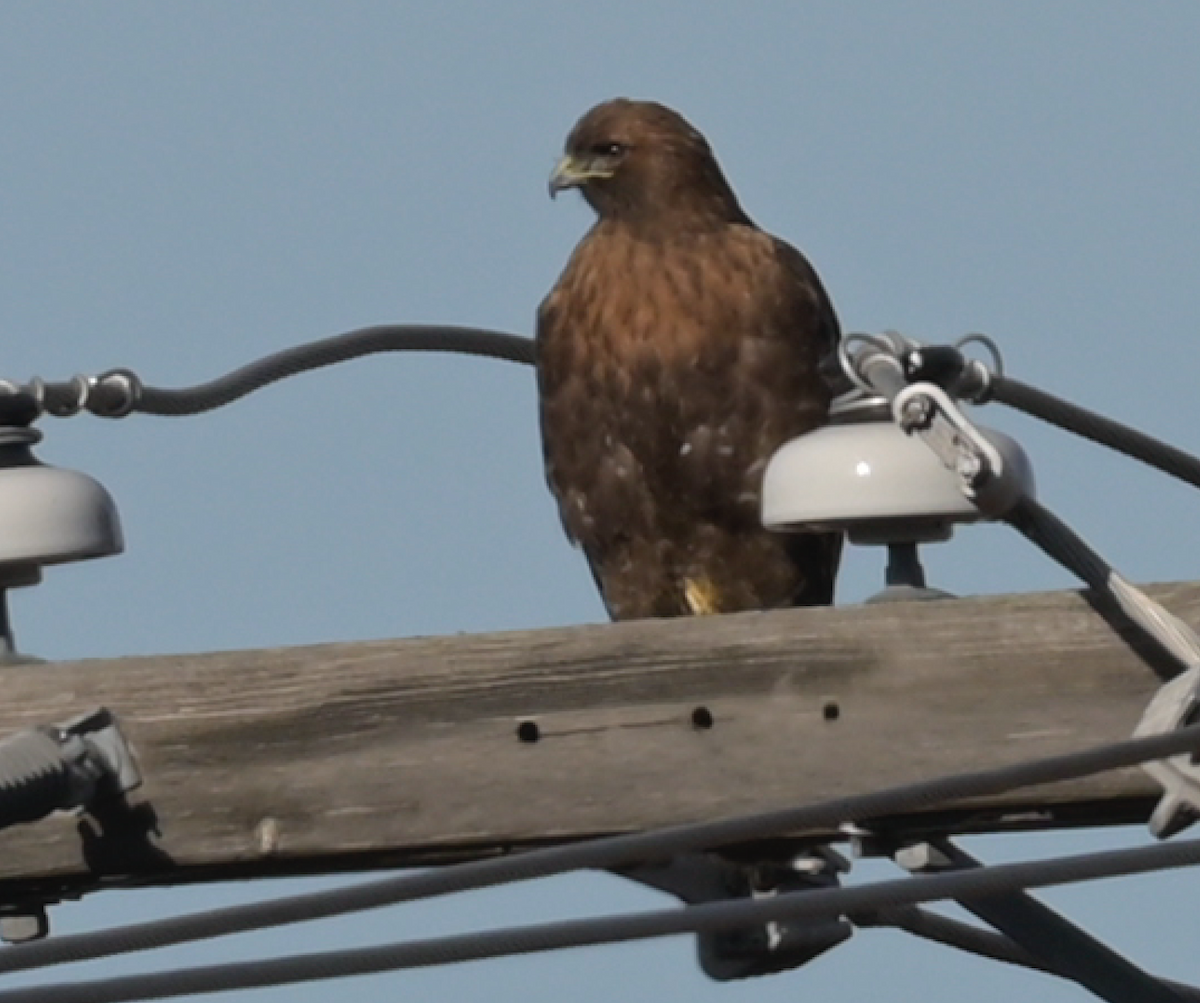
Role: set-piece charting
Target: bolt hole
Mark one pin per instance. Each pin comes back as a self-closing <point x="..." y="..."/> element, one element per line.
<point x="831" y="711"/>
<point x="528" y="732"/>
<point x="702" y="719"/>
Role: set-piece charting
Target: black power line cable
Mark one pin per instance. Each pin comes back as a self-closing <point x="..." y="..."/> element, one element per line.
<point x="1049" y="935"/>
<point x="796" y="907"/>
<point x="1096" y="427"/>
<point x="118" y="392"/>
<point x="1172" y="649"/>
<point x="939" y="929"/>
<point x="1059" y="542"/>
<point x="599" y="854"/>
<point x="329" y="351"/>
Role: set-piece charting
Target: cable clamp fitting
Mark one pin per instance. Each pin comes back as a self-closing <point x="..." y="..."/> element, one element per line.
<point x="993" y="481"/>
<point x="64" y="400"/>
<point x="115" y="393"/>
<point x="94" y="741"/>
<point x="1175" y="706"/>
<point x="71" y="766"/>
<point x="62" y="767"/>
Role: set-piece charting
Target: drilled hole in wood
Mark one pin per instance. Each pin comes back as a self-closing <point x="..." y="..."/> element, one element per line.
<point x="831" y="711"/>
<point x="702" y="718"/>
<point x="529" y="732"/>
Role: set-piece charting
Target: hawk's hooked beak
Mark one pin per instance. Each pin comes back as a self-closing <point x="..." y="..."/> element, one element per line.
<point x="571" y="172"/>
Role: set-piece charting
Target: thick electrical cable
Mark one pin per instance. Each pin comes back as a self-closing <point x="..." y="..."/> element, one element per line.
<point x="121" y="392"/>
<point x="1049" y="935"/>
<point x="598" y="854"/>
<point x="1090" y="425"/>
<point x="1055" y="538"/>
<point x="329" y="351"/>
<point x="948" y="932"/>
<point x="796" y="907"/>
<point x="967" y="937"/>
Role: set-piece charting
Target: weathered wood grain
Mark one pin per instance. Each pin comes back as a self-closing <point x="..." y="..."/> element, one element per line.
<point x="349" y="755"/>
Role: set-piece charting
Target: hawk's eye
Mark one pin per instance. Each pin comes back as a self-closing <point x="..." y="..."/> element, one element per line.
<point x="607" y="149"/>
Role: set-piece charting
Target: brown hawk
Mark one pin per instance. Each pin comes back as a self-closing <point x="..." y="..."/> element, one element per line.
<point x="679" y="349"/>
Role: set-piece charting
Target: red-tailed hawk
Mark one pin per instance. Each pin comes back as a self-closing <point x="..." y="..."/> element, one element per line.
<point x="680" y="347"/>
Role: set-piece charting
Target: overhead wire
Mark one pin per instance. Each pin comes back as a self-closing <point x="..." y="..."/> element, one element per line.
<point x="120" y="391"/>
<point x="1096" y="427"/>
<point x="795" y="907"/>
<point x="939" y="929"/>
<point x="1056" y="539"/>
<point x="600" y="854"/>
<point x="936" y="928"/>
<point x="329" y="351"/>
<point x="1072" y="951"/>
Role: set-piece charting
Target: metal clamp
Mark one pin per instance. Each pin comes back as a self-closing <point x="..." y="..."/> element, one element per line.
<point x="56" y="768"/>
<point x="112" y="394"/>
<point x="992" y="483"/>
<point x="75" y="765"/>
<point x="94" y="742"/>
<point x="774" y="947"/>
<point x="1175" y="705"/>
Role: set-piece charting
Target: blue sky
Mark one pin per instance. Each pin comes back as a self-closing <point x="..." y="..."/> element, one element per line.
<point x="185" y="187"/>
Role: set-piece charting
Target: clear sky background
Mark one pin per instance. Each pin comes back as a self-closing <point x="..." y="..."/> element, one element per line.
<point x="185" y="187"/>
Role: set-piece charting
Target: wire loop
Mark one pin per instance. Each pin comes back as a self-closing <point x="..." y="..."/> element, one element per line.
<point x="877" y="341"/>
<point x="976" y="338"/>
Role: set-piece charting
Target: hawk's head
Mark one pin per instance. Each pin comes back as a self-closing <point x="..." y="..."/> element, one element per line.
<point x="639" y="160"/>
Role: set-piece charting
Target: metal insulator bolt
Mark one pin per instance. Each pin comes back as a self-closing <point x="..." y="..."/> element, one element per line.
<point x="915" y="414"/>
<point x="968" y="466"/>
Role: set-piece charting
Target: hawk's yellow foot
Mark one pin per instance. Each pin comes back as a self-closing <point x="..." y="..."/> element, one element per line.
<point x="700" y="594"/>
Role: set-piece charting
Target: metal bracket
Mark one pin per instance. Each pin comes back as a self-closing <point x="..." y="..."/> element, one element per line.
<point x="74" y="765"/>
<point x="775" y="947"/>
<point x="1175" y="705"/>
<point x="985" y="477"/>
<point x="22" y="923"/>
<point x="94" y="741"/>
